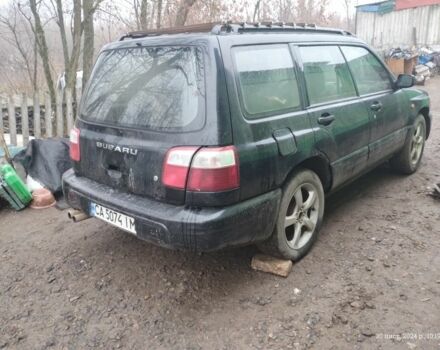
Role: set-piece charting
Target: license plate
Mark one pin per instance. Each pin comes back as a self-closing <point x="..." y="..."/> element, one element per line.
<point x="111" y="216"/>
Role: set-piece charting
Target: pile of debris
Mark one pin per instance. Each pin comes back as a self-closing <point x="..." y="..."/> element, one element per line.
<point x="33" y="176"/>
<point x="422" y="62"/>
<point x="429" y="64"/>
<point x="399" y="53"/>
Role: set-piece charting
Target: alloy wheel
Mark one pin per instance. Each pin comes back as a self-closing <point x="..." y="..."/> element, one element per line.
<point x="301" y="216"/>
<point x="418" y="139"/>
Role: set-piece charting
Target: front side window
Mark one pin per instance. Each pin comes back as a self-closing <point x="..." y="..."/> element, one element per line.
<point x="327" y="75"/>
<point x="369" y="74"/>
<point x="266" y="78"/>
<point x="157" y="88"/>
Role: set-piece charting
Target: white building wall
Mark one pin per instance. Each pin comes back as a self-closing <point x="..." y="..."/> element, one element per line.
<point x="395" y="28"/>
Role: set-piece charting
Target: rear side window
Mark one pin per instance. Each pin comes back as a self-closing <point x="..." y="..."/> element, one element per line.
<point x="368" y="72"/>
<point x="327" y="75"/>
<point x="158" y="88"/>
<point x="266" y="78"/>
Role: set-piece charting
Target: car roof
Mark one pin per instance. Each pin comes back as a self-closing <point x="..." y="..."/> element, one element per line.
<point x="255" y="32"/>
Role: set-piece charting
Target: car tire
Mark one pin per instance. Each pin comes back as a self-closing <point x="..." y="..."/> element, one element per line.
<point x="299" y="217"/>
<point x="408" y="160"/>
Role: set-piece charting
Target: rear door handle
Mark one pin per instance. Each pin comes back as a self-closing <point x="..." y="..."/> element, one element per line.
<point x="376" y="106"/>
<point x="326" y="119"/>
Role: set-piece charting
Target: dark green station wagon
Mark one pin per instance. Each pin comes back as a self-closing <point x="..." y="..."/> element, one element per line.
<point x="211" y="136"/>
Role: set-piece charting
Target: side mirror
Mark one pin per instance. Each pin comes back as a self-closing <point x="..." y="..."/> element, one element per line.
<point x="404" y="81"/>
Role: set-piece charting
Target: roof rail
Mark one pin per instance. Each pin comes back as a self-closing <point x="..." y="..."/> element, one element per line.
<point x="219" y="28"/>
<point x="282" y="27"/>
<point x="195" y="28"/>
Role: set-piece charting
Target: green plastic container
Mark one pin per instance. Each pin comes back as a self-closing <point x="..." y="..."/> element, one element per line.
<point x="15" y="184"/>
<point x="9" y="195"/>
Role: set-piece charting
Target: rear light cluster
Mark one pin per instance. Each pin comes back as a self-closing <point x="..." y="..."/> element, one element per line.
<point x="75" y="154"/>
<point x="205" y="169"/>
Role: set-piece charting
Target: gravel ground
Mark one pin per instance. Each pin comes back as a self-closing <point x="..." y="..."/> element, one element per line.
<point x="372" y="280"/>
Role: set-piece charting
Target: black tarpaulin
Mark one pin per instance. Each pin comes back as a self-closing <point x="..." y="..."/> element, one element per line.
<point x="45" y="160"/>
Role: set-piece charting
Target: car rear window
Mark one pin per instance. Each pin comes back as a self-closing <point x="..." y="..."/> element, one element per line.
<point x="266" y="78"/>
<point x="159" y="88"/>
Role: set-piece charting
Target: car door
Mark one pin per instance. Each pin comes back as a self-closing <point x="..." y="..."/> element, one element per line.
<point x="271" y="127"/>
<point x="340" y="120"/>
<point x="385" y="105"/>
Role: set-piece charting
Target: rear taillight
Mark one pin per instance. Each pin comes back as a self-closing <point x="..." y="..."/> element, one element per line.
<point x="75" y="154"/>
<point x="203" y="170"/>
<point x="176" y="166"/>
<point x="214" y="170"/>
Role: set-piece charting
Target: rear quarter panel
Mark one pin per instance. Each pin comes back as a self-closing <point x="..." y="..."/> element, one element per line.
<point x="262" y="166"/>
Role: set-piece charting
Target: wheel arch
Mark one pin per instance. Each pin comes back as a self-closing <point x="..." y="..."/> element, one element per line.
<point x="321" y="166"/>
<point x="425" y="112"/>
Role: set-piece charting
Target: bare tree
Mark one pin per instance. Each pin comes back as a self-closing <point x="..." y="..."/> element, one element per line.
<point x="159" y="13"/>
<point x="71" y="59"/>
<point x="43" y="50"/>
<point x="89" y="9"/>
<point x="26" y="49"/>
<point x="256" y="11"/>
<point x="143" y="15"/>
<point x="182" y="12"/>
<point x="348" y="5"/>
<point x="140" y="8"/>
<point x="60" y="35"/>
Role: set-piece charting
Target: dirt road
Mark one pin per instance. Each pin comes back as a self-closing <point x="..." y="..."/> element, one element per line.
<point x="371" y="282"/>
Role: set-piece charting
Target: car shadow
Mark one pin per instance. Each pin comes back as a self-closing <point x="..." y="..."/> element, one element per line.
<point x="377" y="178"/>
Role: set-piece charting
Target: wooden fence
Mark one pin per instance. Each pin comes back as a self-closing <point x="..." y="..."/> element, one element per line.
<point x="38" y="119"/>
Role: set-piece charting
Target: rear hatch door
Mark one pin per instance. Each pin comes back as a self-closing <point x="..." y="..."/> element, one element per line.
<point x="141" y="101"/>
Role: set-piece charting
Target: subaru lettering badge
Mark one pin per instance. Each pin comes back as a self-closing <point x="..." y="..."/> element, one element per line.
<point x="117" y="148"/>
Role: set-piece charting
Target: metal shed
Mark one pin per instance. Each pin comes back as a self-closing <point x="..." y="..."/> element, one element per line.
<point x="389" y="24"/>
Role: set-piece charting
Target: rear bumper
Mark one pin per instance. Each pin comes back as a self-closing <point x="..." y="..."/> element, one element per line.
<point x="181" y="227"/>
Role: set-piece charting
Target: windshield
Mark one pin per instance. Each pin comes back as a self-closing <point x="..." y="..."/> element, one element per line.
<point x="160" y="88"/>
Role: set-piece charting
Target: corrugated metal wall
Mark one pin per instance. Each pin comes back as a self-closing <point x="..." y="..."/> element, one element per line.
<point x="396" y="28"/>
<point x="406" y="4"/>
